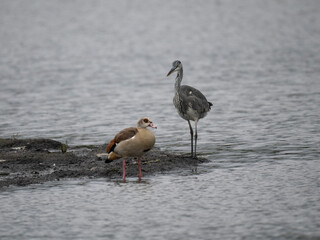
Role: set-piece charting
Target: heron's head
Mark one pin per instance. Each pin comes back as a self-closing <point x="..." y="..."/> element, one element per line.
<point x="176" y="66"/>
<point x="145" y="122"/>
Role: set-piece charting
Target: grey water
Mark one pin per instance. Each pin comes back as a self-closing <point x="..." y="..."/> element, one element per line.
<point x="82" y="70"/>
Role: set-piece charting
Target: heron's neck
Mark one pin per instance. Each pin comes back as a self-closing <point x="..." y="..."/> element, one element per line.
<point x="179" y="79"/>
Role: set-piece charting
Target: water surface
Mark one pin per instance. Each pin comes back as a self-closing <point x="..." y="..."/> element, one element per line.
<point x="82" y="70"/>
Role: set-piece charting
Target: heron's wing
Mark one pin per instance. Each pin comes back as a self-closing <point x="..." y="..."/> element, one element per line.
<point x="195" y="98"/>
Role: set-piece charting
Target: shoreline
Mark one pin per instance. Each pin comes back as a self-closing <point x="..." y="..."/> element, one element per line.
<point x="33" y="161"/>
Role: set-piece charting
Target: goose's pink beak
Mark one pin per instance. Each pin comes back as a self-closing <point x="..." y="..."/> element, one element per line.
<point x="152" y="126"/>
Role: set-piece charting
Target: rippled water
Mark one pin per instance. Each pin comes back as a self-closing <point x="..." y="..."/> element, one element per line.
<point x="220" y="203"/>
<point x="82" y="70"/>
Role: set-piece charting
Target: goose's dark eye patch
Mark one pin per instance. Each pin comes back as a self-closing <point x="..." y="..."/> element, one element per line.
<point x="146" y="120"/>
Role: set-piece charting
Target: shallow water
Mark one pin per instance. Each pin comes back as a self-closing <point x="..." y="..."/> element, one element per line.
<point x="256" y="201"/>
<point x="82" y="70"/>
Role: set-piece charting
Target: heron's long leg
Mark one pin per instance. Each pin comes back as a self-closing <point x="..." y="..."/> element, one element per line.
<point x="191" y="133"/>
<point x="195" y="138"/>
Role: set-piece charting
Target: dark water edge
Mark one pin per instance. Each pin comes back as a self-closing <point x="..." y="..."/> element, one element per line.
<point x="32" y="161"/>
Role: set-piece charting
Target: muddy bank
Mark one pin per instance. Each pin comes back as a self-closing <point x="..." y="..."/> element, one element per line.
<point x="29" y="161"/>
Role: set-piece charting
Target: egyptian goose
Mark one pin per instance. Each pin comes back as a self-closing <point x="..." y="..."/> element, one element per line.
<point x="132" y="142"/>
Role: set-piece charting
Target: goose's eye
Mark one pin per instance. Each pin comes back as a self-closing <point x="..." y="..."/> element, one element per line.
<point x="146" y="120"/>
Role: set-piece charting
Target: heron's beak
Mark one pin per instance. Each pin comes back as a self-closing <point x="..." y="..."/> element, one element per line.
<point x="171" y="71"/>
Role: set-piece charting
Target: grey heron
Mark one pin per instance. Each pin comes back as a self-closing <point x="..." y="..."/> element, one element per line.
<point x="190" y="103"/>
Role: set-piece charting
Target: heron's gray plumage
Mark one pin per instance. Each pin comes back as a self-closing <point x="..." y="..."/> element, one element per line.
<point x="190" y="103"/>
<point x="187" y="99"/>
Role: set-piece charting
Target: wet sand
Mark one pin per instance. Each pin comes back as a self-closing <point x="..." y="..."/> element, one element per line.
<point x="32" y="161"/>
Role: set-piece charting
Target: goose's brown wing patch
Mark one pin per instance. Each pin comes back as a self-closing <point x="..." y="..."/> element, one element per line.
<point x="110" y="146"/>
<point x="125" y="134"/>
